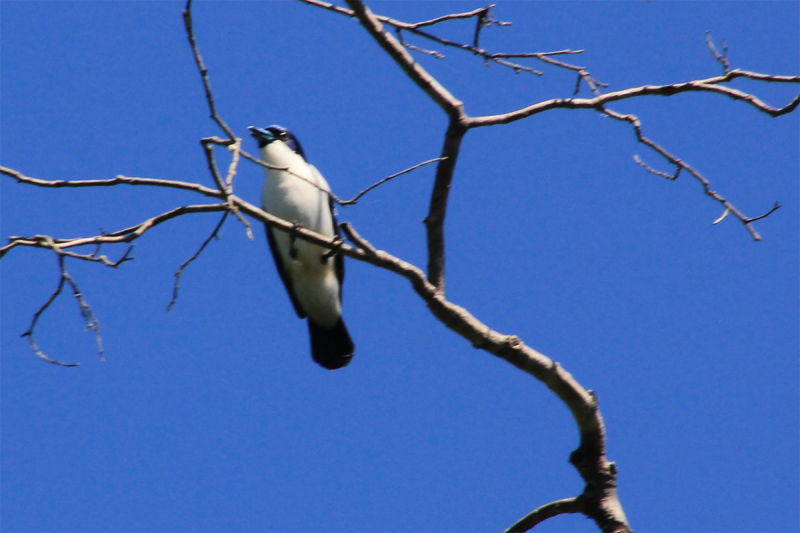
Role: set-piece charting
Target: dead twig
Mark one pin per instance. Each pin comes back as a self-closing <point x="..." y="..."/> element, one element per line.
<point x="92" y="324"/>
<point x="357" y="197"/>
<point x="198" y="59"/>
<point x="723" y="57"/>
<point x="633" y="120"/>
<point x="179" y="272"/>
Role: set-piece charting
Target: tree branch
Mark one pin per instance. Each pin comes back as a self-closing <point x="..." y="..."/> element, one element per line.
<point x="434" y="222"/>
<point x="198" y="59"/>
<point x="549" y="510"/>
<point x="56" y="184"/>
<point x="633" y="120"/>
<point x="396" y="51"/>
<point x="381" y="182"/>
<point x="179" y="272"/>
<point x="92" y="324"/>
<point x="483" y="19"/>
<point x="706" y="85"/>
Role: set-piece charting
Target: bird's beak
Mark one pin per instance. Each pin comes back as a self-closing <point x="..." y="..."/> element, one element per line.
<point x="262" y="135"/>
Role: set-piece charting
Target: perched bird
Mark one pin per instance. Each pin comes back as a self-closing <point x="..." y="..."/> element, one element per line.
<point x="312" y="276"/>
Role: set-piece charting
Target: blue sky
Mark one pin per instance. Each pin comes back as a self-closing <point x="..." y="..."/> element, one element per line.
<point x="214" y="418"/>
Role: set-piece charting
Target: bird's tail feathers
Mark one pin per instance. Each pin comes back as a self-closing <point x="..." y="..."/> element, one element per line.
<point x="331" y="347"/>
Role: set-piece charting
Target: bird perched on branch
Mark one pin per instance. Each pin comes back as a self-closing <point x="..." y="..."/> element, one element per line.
<point x="312" y="275"/>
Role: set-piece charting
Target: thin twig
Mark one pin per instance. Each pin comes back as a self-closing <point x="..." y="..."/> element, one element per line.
<point x="356" y="239"/>
<point x="384" y="180"/>
<point x="434" y="53"/>
<point x="179" y="272"/>
<point x="187" y="21"/>
<point x="633" y="120"/>
<point x="208" y="151"/>
<point x="653" y="171"/>
<point x="92" y="323"/>
<point x="723" y="57"/>
<point x="235" y="150"/>
<point x="484" y="19"/>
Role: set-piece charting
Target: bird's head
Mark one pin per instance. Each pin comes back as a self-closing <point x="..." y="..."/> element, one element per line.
<point x="270" y="134"/>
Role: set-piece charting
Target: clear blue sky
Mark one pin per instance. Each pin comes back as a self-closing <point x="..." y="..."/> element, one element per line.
<point x="214" y="418"/>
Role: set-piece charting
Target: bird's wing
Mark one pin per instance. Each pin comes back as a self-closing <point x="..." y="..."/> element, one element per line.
<point x="287" y="282"/>
<point x="338" y="258"/>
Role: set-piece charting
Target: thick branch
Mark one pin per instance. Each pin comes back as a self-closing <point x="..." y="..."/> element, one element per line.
<point x="434" y="222"/>
<point x="601" y="502"/>
<point x="396" y="51"/>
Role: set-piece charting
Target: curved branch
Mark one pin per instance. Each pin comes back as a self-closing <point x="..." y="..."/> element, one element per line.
<point x="706" y="85"/>
<point x="600" y="497"/>
<point x="357" y="197"/>
<point x="600" y="475"/>
<point x="548" y="510"/>
<point x="92" y="324"/>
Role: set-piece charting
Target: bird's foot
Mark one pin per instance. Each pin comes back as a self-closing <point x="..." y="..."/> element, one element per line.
<point x="337" y="244"/>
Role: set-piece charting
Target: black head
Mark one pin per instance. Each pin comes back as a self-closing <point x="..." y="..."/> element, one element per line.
<point x="264" y="136"/>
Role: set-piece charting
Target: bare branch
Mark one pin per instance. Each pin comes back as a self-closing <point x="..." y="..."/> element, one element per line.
<point x="484" y="20"/>
<point x="92" y="324"/>
<point x="437" y="211"/>
<point x="651" y="170"/>
<point x="384" y="180"/>
<point x="359" y="241"/>
<point x="208" y="150"/>
<point x="633" y="120"/>
<point x="589" y="458"/>
<point x="706" y="85"/>
<point x="549" y="510"/>
<point x="434" y="53"/>
<point x="480" y="12"/>
<point x="723" y="57"/>
<point x="125" y="235"/>
<point x="397" y="51"/>
<point x="235" y="149"/>
<point x="195" y="187"/>
<point x="179" y="272"/>
<point x="187" y="21"/>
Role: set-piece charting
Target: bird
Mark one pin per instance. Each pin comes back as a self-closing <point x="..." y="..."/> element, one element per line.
<point x="312" y="276"/>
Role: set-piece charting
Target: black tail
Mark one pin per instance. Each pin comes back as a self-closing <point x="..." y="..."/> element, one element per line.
<point x="331" y="347"/>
